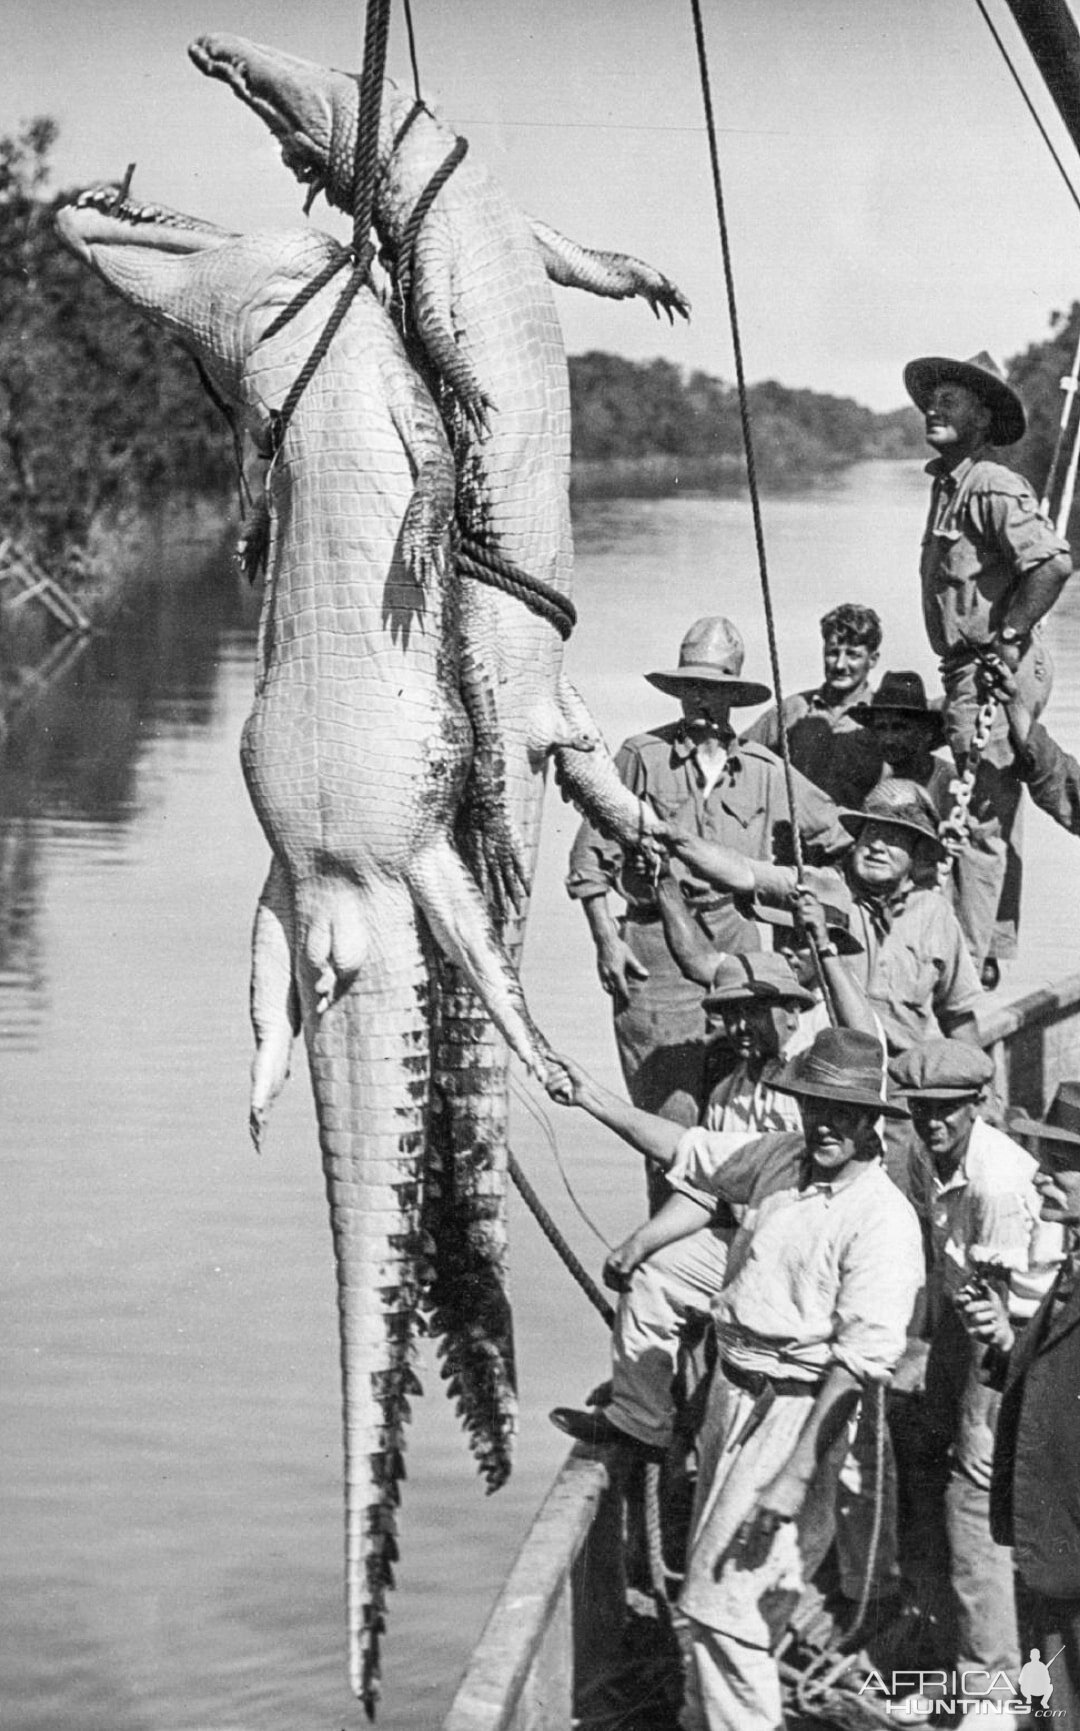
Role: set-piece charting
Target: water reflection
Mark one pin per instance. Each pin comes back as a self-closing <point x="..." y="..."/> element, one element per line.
<point x="77" y="732"/>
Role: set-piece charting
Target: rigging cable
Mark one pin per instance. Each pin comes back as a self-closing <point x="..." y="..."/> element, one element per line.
<point x="1018" y="81"/>
<point x="412" y="50"/>
<point x="751" y="477"/>
<point x="541" y="1117"/>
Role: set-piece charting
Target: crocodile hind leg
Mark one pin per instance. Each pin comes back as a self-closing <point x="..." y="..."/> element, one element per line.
<point x="617" y="275"/>
<point x="465" y="1220"/>
<point x="274" y="1003"/>
<point x="462" y="927"/>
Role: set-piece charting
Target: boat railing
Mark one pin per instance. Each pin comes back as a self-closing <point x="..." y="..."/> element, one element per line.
<point x="548" y="1615"/>
<point x="563" y="1600"/>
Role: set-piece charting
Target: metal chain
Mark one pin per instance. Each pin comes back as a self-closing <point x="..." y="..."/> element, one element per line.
<point x="955" y="828"/>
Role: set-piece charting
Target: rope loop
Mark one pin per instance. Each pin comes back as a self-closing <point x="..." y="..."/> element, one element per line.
<point x="481" y="561"/>
<point x="280" y="418"/>
<point x="420" y="210"/>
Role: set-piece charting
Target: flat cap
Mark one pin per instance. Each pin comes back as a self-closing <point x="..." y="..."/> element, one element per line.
<point x="942" y="1070"/>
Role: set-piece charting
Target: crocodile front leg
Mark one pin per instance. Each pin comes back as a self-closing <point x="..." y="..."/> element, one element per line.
<point x="431" y="312"/>
<point x="614" y="274"/>
<point x="586" y="775"/>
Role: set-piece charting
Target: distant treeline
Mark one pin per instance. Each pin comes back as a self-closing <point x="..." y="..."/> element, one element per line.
<point x="649" y="418"/>
<point x="102" y="416"/>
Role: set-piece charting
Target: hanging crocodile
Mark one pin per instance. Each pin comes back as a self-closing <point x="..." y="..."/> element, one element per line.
<point x="473" y="294"/>
<point x="355" y="756"/>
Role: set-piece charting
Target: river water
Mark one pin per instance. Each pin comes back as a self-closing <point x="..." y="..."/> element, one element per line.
<point x="170" y="1505"/>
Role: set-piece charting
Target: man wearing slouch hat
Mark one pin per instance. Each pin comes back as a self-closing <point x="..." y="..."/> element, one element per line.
<point x="820" y="1285"/>
<point x="992" y="566"/>
<point x="698" y="778"/>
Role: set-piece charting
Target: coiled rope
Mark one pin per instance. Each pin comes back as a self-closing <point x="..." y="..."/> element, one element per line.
<point x="479" y="559"/>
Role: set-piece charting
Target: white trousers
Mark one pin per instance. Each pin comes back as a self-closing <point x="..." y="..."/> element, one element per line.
<point x="672" y="1285"/>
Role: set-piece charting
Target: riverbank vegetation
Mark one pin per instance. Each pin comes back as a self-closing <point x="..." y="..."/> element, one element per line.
<point x="102" y="417"/>
<point x="647" y="427"/>
<point x="104" y="421"/>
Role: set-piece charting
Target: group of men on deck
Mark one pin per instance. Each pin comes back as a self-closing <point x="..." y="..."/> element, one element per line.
<point x="799" y="1046"/>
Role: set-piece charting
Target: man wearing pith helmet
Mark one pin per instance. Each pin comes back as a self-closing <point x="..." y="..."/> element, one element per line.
<point x="697" y="778"/>
<point x="983" y="1226"/>
<point x="992" y="567"/>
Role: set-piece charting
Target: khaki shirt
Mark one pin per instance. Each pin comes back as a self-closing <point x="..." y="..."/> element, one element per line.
<point x="915" y="966"/>
<point x="837" y="754"/>
<point x="984" y="535"/>
<point x="743" y="810"/>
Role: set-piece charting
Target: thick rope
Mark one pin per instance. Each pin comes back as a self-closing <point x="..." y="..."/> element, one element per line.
<point x="654" y="1537"/>
<point x="478" y="559"/>
<point x="307" y="293"/>
<point x="878" y="1516"/>
<point x="419" y="212"/>
<point x="280" y="418"/>
<point x="373" y="71"/>
<point x="558" y="1242"/>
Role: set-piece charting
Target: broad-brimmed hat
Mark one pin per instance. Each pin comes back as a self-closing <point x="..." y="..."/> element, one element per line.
<point x="761" y="974"/>
<point x="711" y="653"/>
<point x="901" y="693"/>
<point x="980" y="374"/>
<point x="842" y="1064"/>
<point x="897" y="800"/>
<point x="942" y="1070"/>
<point x="1061" y="1126"/>
<point x="835" y="899"/>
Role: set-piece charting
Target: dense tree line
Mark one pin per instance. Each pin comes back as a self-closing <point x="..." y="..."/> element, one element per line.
<point x="100" y="413"/>
<point x="1037" y="375"/>
<point x="627" y="410"/>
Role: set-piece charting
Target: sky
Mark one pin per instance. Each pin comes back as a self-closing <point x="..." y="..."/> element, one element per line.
<point x="887" y="192"/>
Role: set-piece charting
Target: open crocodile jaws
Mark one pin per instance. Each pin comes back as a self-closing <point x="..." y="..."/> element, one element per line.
<point x="355" y="755"/>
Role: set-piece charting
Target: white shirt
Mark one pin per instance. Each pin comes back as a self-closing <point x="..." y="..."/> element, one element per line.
<point x="826" y="1274"/>
<point x="988" y="1211"/>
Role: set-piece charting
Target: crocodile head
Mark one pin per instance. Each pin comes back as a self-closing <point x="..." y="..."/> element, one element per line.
<point x="214" y="290"/>
<point x="312" y="110"/>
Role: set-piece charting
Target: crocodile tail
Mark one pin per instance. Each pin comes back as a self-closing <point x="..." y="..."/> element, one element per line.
<point x="467" y="1302"/>
<point x="370" y="1058"/>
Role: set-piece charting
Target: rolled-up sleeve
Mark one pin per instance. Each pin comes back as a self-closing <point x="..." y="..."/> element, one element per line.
<point x="1052" y="777"/>
<point x="882" y="1270"/>
<point x="957" y="991"/>
<point x="736" y="1166"/>
<point x="1009" y="514"/>
<point x="819" y="823"/>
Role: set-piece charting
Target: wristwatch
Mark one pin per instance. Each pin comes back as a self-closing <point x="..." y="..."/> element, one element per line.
<point x="1008" y="635"/>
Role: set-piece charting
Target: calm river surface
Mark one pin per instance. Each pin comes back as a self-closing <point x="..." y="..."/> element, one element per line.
<point x="170" y="1504"/>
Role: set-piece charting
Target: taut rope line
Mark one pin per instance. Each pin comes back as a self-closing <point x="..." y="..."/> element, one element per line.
<point x="751" y="474"/>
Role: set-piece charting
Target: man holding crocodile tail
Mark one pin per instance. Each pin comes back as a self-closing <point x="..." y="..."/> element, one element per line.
<point x="821" y="1281"/>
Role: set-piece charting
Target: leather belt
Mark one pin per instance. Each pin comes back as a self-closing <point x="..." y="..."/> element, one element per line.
<point x="756" y="1382"/>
